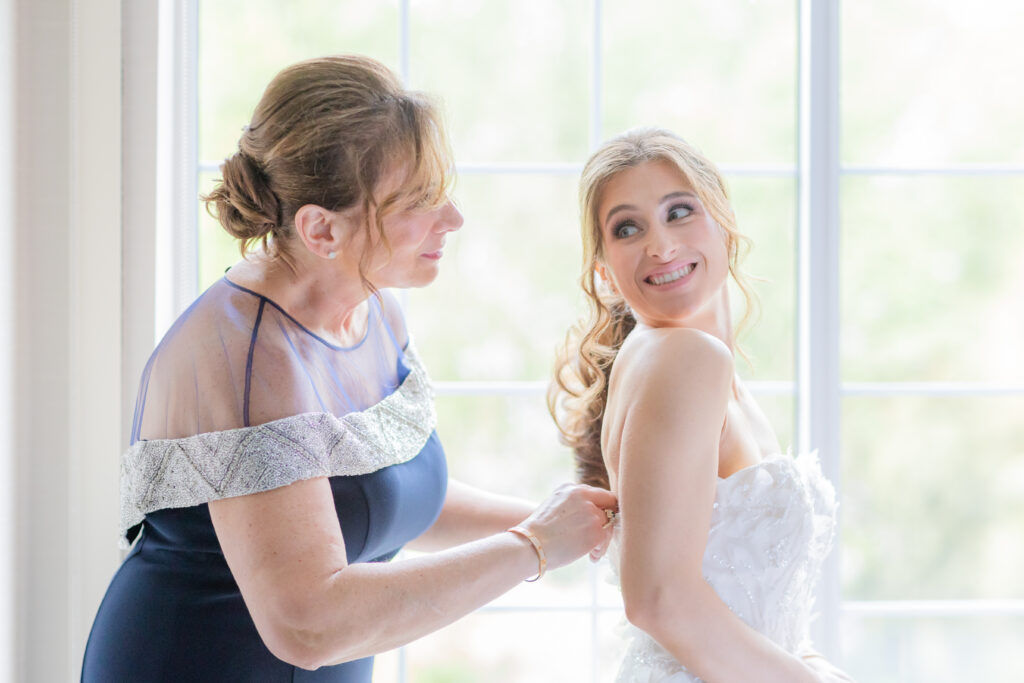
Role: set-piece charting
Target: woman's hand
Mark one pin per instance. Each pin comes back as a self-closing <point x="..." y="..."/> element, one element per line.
<point x="311" y="608"/>
<point x="571" y="522"/>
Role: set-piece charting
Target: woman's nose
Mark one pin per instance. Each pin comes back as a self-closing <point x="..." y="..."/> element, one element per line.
<point x="660" y="244"/>
<point x="450" y="218"/>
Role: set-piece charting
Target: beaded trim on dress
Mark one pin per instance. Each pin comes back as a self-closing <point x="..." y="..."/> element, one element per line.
<point x="177" y="473"/>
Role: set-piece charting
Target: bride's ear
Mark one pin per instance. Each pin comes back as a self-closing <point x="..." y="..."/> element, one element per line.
<point x="602" y="275"/>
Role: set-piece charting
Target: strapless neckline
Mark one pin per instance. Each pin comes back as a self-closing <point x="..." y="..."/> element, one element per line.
<point x="771" y="527"/>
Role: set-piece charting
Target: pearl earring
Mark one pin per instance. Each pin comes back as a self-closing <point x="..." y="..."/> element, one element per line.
<point x="331" y="254"/>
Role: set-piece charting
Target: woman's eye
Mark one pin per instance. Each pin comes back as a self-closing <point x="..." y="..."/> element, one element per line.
<point x="626" y="229"/>
<point x="679" y="211"/>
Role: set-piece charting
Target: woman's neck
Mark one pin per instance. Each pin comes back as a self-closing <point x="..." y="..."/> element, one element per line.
<point x="328" y="302"/>
<point x="715" y="318"/>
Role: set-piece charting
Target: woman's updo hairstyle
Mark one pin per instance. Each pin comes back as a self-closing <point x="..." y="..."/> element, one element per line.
<point x="325" y="132"/>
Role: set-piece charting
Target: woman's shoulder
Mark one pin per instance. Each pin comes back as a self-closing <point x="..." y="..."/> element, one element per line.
<point x="195" y="378"/>
<point x="670" y="372"/>
<point x="672" y="351"/>
<point x="219" y="324"/>
<point x="224" y="310"/>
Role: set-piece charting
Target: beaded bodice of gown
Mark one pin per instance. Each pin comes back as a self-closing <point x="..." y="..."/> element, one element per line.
<point x="771" y="528"/>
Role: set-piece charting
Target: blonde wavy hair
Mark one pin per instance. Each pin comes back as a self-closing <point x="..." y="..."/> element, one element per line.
<point x="579" y="388"/>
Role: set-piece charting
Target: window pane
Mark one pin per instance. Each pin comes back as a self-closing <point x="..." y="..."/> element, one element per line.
<point x="567" y="586"/>
<point x="608" y="596"/>
<point x="218" y="250"/>
<point x="507" y="292"/>
<point x="933" y="498"/>
<point x="386" y="668"/>
<point x="611" y="646"/>
<point x="765" y="213"/>
<point x="242" y="45"/>
<point x="506" y="444"/>
<point x="932" y="82"/>
<point x="931" y="279"/>
<point x="721" y="74"/>
<point x="929" y="649"/>
<point x="490" y="646"/>
<point x="513" y="76"/>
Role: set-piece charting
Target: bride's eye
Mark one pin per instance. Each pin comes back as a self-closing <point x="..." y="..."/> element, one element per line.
<point x="679" y="211"/>
<point x="625" y="229"/>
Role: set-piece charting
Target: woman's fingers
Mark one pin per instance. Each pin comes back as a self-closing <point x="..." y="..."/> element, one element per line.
<point x="572" y="522"/>
<point x="598" y="552"/>
<point x="602" y="498"/>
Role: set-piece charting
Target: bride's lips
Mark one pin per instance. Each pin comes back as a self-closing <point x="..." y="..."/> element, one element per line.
<point x="433" y="255"/>
<point x="672" y="275"/>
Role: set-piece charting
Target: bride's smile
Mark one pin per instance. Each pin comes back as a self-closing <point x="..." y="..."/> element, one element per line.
<point x="663" y="252"/>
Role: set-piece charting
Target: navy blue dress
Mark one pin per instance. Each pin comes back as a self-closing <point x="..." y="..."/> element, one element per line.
<point x="173" y="612"/>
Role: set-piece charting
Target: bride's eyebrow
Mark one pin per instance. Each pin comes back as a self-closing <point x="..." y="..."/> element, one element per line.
<point x="631" y="207"/>
<point x="620" y="207"/>
<point x="677" y="195"/>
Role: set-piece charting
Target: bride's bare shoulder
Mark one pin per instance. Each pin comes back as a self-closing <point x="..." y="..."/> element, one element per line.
<point x="650" y="353"/>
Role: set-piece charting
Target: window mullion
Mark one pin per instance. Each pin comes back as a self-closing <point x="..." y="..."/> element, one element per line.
<point x="177" y="266"/>
<point x="596" y="76"/>
<point x="817" y="362"/>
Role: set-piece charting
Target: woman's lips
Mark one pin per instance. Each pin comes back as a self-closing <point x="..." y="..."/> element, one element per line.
<point x="667" y="277"/>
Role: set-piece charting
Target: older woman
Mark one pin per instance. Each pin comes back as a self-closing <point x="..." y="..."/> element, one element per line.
<point x="283" y="447"/>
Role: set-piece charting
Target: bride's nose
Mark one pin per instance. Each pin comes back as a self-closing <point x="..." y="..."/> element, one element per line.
<point x="660" y="244"/>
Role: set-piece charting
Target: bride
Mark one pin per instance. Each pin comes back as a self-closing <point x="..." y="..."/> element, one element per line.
<point x="721" y="537"/>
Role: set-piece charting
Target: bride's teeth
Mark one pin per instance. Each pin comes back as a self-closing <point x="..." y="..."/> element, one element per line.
<point x="673" y="276"/>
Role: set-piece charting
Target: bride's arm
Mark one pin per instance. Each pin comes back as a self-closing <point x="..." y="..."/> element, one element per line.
<point x="826" y="671"/>
<point x="679" y="383"/>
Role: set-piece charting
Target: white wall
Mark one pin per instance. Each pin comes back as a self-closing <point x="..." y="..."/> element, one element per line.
<point x="42" y="329"/>
<point x="62" y="309"/>
<point x="7" y="307"/>
<point x="95" y="300"/>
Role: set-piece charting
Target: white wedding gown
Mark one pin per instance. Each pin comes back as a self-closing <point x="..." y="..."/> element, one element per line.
<point x="771" y="528"/>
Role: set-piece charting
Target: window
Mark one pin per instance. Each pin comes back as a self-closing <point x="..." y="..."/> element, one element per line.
<point x="879" y="175"/>
<point x="932" y="382"/>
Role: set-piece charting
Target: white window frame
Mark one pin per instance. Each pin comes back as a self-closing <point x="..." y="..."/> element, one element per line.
<point x="820" y="386"/>
<point x="817" y="387"/>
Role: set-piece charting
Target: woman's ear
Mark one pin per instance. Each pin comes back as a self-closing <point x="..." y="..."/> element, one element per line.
<point x="318" y="229"/>
<point x="602" y="273"/>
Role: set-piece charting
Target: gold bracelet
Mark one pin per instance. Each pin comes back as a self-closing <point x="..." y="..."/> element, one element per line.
<point x="542" y="559"/>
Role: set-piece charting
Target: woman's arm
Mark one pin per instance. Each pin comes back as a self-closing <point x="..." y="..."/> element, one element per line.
<point x="286" y="551"/>
<point x="469" y="514"/>
<point x="679" y="383"/>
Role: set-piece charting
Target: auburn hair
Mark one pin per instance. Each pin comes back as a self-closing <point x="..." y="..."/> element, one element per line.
<point x="325" y="132"/>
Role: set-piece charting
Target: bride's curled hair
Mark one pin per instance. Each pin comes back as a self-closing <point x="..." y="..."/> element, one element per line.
<point x="579" y="388"/>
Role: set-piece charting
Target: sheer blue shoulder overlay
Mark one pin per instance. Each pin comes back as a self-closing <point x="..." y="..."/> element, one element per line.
<point x="240" y="397"/>
<point x="236" y="359"/>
